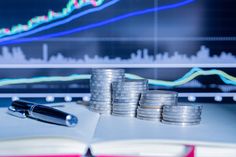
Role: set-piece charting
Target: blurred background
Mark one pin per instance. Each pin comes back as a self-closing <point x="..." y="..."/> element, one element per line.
<point x="47" y="48"/>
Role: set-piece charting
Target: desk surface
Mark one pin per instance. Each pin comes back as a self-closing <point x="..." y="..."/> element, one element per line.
<point x="217" y="127"/>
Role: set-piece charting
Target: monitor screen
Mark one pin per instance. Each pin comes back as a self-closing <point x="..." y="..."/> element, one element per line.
<point x="49" y="47"/>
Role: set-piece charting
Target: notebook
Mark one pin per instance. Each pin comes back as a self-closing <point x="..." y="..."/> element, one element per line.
<point x="106" y="135"/>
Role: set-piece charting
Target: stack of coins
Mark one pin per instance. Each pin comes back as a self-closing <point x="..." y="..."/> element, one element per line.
<point x="152" y="101"/>
<point x="126" y="95"/>
<point x="182" y="114"/>
<point x="101" y="90"/>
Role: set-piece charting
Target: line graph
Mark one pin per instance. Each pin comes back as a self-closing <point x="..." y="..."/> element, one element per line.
<point x="59" y="23"/>
<point x="71" y="6"/>
<point x="189" y="76"/>
<point x="98" y="24"/>
<point x="16" y="57"/>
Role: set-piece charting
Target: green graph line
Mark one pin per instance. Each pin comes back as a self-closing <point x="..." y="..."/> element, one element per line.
<point x="192" y="74"/>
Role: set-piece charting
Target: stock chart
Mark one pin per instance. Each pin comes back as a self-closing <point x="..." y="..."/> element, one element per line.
<point x="49" y="47"/>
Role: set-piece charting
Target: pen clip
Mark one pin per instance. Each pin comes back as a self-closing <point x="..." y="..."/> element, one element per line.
<point x="17" y="113"/>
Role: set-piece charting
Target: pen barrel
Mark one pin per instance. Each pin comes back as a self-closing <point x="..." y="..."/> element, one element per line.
<point x="52" y="115"/>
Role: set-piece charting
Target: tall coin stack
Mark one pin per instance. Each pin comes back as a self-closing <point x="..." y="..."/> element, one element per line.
<point x="152" y="101"/>
<point x="101" y="90"/>
<point x="182" y="114"/>
<point x="126" y="95"/>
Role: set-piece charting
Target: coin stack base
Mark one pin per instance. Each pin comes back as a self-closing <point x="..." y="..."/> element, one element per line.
<point x="183" y="115"/>
<point x="151" y="103"/>
<point x="126" y="96"/>
<point x="100" y="88"/>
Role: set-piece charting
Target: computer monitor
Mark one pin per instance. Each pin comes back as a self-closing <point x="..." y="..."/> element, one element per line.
<point x="47" y="48"/>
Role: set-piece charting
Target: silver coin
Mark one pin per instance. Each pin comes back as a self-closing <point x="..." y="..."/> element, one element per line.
<point x="149" y="113"/>
<point x="124" y="111"/>
<point x="143" y="103"/>
<point x="107" y="70"/>
<point x="158" y="98"/>
<point x="101" y="96"/>
<point x="110" y="71"/>
<point x="127" y="95"/>
<point x="127" y="90"/>
<point x="131" y="82"/>
<point x="124" y="85"/>
<point x="125" y="104"/>
<point x="181" y="111"/>
<point x="96" y="85"/>
<point x="100" y="103"/>
<point x="128" y="84"/>
<point x="129" y="115"/>
<point x="151" y="106"/>
<point x="101" y="92"/>
<point x="124" y="101"/>
<point x="153" y="93"/>
<point x="95" y="95"/>
<point x="106" y="74"/>
<point x="147" y="109"/>
<point x="100" y="89"/>
<point x="101" y="77"/>
<point x="191" y="107"/>
<point x="180" y="123"/>
<point x="104" y="80"/>
<point x="181" y="115"/>
<point x="101" y="100"/>
<point x="149" y="116"/>
<point x="148" y="119"/>
<point x="131" y="93"/>
<point x="170" y="108"/>
<point x="181" y="119"/>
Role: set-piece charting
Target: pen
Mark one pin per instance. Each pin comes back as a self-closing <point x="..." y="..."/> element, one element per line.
<point x="25" y="109"/>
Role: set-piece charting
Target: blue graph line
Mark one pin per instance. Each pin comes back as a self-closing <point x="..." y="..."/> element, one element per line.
<point x="193" y="70"/>
<point x="99" y="24"/>
<point x="59" y="23"/>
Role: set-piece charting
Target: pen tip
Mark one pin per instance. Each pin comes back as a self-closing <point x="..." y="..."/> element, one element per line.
<point x="71" y="120"/>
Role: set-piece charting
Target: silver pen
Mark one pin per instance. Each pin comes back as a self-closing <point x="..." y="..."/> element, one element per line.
<point x="26" y="109"/>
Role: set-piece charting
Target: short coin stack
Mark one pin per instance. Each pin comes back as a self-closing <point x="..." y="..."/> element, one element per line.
<point x="100" y="88"/>
<point x="152" y="101"/>
<point x="182" y="114"/>
<point x="126" y="95"/>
